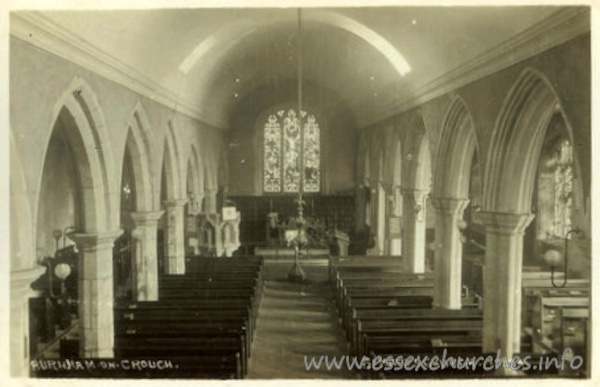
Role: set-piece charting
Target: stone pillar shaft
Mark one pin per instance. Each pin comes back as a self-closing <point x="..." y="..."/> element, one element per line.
<point x="360" y="208"/>
<point x="145" y="267"/>
<point x="210" y="202"/>
<point x="447" y="292"/>
<point x="175" y="254"/>
<point x="394" y="221"/>
<point x="96" y="334"/>
<point x="380" y="215"/>
<point x="20" y="293"/>
<point x="413" y="237"/>
<point x="502" y="281"/>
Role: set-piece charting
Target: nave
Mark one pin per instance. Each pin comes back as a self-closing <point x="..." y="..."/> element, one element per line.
<point x="255" y="323"/>
<point x="277" y="183"/>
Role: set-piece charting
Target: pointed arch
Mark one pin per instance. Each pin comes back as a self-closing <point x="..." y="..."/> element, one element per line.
<point x="416" y="173"/>
<point x="194" y="170"/>
<point x="174" y="184"/>
<point x="210" y="173"/>
<point x="92" y="154"/>
<point x="138" y="144"/>
<point x="517" y="142"/>
<point x="22" y="254"/>
<point x="393" y="157"/>
<point x="457" y="146"/>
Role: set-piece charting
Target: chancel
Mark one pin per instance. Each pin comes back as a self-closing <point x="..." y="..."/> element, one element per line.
<point x="225" y="193"/>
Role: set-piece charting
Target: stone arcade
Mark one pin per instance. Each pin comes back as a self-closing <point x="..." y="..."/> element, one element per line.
<point x="443" y="155"/>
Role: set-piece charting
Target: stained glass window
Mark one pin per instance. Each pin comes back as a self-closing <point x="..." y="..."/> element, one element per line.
<point x="563" y="188"/>
<point x="272" y="162"/>
<point x="292" y="157"/>
<point x="555" y="192"/>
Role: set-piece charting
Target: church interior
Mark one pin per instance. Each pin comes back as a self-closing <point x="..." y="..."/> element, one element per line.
<point x="232" y="190"/>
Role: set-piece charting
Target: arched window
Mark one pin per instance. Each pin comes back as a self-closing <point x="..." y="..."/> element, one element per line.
<point x="292" y="157"/>
<point x="555" y="198"/>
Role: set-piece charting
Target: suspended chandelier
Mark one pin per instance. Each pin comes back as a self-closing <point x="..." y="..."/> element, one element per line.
<point x="298" y="238"/>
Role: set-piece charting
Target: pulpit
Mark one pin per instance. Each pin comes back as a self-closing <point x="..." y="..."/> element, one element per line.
<point x="229" y="236"/>
<point x="219" y="234"/>
<point x="342" y="241"/>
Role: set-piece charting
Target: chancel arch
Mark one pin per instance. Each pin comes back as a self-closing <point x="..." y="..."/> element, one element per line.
<point x="456" y="152"/>
<point x="509" y="183"/>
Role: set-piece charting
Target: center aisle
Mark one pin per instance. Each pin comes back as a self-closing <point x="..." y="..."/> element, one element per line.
<point x="296" y="320"/>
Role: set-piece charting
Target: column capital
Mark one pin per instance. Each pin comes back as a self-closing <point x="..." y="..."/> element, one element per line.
<point x="146" y="217"/>
<point x="450" y="206"/>
<point x="505" y="223"/>
<point x="200" y="194"/>
<point x="414" y="193"/>
<point x="21" y="280"/>
<point x="88" y="241"/>
<point x="388" y="187"/>
<point x="176" y="202"/>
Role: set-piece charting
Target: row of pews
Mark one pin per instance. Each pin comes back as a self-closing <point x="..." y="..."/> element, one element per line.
<point x="386" y="311"/>
<point x="202" y="326"/>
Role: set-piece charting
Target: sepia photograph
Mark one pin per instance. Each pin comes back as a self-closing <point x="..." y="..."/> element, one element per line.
<point x="363" y="192"/>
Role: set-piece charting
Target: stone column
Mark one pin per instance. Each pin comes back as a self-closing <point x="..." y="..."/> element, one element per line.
<point x="210" y="202"/>
<point x="175" y="254"/>
<point x="379" y="220"/>
<point x="395" y="223"/>
<point x="194" y="208"/>
<point x="502" y="281"/>
<point x="145" y="267"/>
<point x="360" y="208"/>
<point x="413" y="237"/>
<point x="20" y="293"/>
<point x="447" y="292"/>
<point x="95" y="270"/>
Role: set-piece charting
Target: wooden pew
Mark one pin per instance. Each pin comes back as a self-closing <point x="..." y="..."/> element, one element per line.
<point x="402" y="315"/>
<point x="209" y="312"/>
<point x="456" y="326"/>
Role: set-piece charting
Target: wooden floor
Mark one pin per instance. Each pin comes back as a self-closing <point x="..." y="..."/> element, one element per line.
<point x="296" y="320"/>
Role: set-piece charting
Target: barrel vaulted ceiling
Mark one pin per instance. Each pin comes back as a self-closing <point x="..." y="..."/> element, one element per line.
<point x="375" y="59"/>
